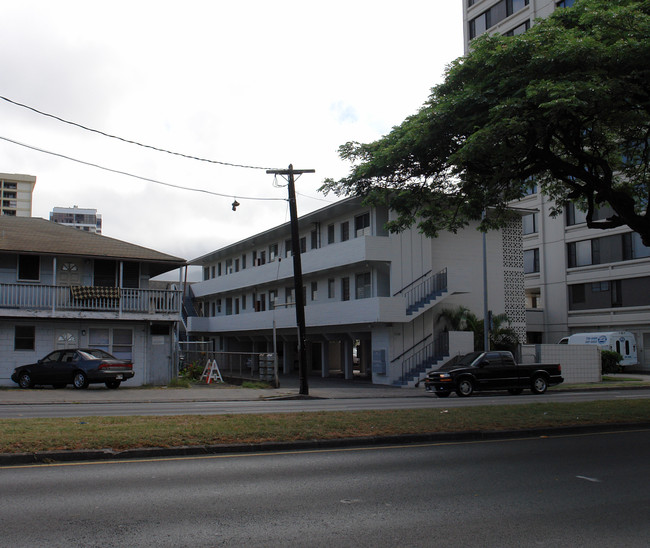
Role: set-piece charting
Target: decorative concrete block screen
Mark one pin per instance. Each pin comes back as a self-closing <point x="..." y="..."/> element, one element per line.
<point x="580" y="362"/>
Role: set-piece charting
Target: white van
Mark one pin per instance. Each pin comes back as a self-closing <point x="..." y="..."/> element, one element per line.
<point x="622" y="342"/>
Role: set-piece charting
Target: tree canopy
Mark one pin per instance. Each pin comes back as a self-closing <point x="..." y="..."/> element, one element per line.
<point x="564" y="106"/>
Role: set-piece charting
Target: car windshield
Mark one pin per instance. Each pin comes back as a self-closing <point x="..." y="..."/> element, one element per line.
<point x="94" y="353"/>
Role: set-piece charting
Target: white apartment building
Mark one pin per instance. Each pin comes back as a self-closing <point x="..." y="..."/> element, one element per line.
<point x="84" y="219"/>
<point x="372" y="299"/>
<point x="577" y="279"/>
<point x="16" y="194"/>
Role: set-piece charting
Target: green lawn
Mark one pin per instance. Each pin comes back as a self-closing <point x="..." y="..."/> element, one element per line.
<point x="120" y="433"/>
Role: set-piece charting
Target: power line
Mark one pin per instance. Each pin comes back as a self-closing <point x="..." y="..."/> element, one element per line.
<point x="139" y="176"/>
<point x="129" y="141"/>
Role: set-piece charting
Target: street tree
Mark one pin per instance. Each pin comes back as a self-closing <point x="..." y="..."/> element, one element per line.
<point x="564" y="106"/>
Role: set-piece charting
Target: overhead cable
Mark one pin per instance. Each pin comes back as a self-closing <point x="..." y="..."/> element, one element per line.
<point x="139" y="176"/>
<point x="129" y="141"/>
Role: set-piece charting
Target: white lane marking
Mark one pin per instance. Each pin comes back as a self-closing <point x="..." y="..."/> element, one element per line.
<point x="593" y="480"/>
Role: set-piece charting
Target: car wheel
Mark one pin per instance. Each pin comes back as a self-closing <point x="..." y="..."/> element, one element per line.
<point x="442" y="394"/>
<point x="59" y="385"/>
<point x="112" y="384"/>
<point x="465" y="388"/>
<point x="80" y="380"/>
<point x="25" y="380"/>
<point x="539" y="384"/>
<point x="516" y="391"/>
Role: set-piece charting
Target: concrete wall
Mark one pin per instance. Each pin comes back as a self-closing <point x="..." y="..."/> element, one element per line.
<point x="580" y="363"/>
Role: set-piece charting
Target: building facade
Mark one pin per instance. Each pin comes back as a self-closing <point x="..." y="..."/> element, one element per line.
<point x="65" y="288"/>
<point x="373" y="299"/>
<point x="16" y="194"/>
<point x="84" y="219"/>
<point x="577" y="279"/>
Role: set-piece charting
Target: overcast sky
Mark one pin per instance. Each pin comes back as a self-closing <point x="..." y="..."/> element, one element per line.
<point x="260" y="83"/>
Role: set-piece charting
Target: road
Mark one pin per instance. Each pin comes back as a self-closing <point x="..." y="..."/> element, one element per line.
<point x="85" y="409"/>
<point x="589" y="490"/>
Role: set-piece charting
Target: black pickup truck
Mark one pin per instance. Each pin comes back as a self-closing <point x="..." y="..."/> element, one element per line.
<point x="496" y="370"/>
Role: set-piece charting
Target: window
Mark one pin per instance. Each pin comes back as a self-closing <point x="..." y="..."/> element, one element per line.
<point x="273" y="296"/>
<point x="330" y="234"/>
<point x="29" y="267"/>
<point x="131" y="275"/>
<point x="228" y="266"/>
<point x="273" y="252"/>
<point x="494" y="15"/>
<point x="345" y="289"/>
<point x="633" y="247"/>
<point x="236" y="306"/>
<point x="289" y="295"/>
<point x="206" y="273"/>
<point x="122" y="344"/>
<point x="314" y="239"/>
<point x="597" y="287"/>
<point x="345" y="231"/>
<point x="262" y="259"/>
<point x="218" y="269"/>
<point x="362" y="286"/>
<point x="24" y="337"/>
<point x="218" y="306"/>
<point x="531" y="261"/>
<point x="236" y="265"/>
<point x="243" y="302"/>
<point x="362" y="225"/>
<point x="105" y="273"/>
<point x="577" y="293"/>
<point x="314" y="291"/>
<point x="565" y="3"/>
<point x="243" y="262"/>
<point x="287" y="248"/>
<point x="330" y="288"/>
<point x="519" y="29"/>
<point x="303" y="244"/>
<point x="580" y="253"/>
<point x="529" y="223"/>
<point x="228" y="306"/>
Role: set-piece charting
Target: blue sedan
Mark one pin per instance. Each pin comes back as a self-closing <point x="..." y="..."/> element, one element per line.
<point x="76" y="366"/>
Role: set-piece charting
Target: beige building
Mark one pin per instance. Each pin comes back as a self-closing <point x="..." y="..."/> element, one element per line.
<point x="577" y="279"/>
<point x="16" y="194"/>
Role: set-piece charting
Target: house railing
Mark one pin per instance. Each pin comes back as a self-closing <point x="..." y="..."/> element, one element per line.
<point x="84" y="298"/>
<point x="420" y="361"/>
<point x="424" y="292"/>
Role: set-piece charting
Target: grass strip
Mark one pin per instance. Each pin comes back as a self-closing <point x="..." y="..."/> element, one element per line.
<point x="120" y="433"/>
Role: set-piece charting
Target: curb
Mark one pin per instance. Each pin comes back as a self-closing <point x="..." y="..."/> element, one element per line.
<point x="58" y="458"/>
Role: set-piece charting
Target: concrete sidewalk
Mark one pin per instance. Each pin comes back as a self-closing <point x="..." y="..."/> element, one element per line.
<point x="332" y="388"/>
<point x="329" y="388"/>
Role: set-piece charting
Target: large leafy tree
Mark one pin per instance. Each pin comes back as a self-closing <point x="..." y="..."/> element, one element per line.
<point x="565" y="106"/>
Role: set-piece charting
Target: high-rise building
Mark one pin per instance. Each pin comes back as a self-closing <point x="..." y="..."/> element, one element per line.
<point x="16" y="194"/>
<point x="84" y="219"/>
<point x="577" y="279"/>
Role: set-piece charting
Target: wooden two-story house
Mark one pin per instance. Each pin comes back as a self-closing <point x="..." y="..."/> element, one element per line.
<point x="61" y="287"/>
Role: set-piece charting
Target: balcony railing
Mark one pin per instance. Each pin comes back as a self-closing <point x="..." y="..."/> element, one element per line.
<point x="98" y="299"/>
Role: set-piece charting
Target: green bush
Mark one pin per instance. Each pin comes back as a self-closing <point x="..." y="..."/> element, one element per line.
<point x="192" y="371"/>
<point x="610" y="361"/>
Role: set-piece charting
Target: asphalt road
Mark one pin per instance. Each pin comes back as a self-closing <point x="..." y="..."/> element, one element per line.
<point x="34" y="409"/>
<point x="589" y="490"/>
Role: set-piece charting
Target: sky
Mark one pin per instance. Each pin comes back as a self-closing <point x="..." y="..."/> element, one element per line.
<point x="251" y="83"/>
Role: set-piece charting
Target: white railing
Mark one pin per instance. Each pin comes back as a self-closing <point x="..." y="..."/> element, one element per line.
<point x="52" y="297"/>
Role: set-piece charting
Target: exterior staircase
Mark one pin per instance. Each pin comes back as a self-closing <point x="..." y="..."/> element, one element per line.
<point x="425" y="292"/>
<point x="423" y="360"/>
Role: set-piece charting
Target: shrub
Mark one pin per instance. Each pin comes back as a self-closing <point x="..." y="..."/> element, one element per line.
<point x="192" y="371"/>
<point x="610" y="361"/>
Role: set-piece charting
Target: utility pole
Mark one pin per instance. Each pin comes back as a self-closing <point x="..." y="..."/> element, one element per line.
<point x="297" y="271"/>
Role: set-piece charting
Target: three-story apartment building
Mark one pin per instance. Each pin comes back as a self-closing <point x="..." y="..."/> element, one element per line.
<point x="373" y="299"/>
<point x="64" y="288"/>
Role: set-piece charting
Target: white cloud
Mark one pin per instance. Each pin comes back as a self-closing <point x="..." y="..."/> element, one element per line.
<point x="255" y="82"/>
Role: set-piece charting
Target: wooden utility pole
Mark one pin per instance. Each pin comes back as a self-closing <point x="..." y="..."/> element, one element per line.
<point x="297" y="272"/>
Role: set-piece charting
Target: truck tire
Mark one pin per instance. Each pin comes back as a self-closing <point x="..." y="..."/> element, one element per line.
<point x="465" y="387"/>
<point x="538" y="384"/>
